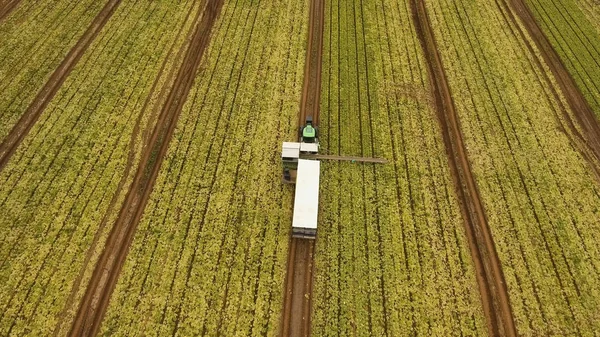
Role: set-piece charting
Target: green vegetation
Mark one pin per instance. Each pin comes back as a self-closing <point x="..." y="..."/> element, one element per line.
<point x="34" y="39"/>
<point x="56" y="192"/>
<point x="576" y="40"/>
<point x="541" y="198"/>
<point x="591" y="9"/>
<point x="210" y="253"/>
<point x="391" y="254"/>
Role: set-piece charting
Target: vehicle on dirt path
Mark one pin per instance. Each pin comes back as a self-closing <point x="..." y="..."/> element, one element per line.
<point x="309" y="133"/>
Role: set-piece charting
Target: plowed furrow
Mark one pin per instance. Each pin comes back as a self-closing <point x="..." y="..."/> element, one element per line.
<point x="490" y="278"/>
<point x="298" y="289"/>
<point x="7" y="7"/>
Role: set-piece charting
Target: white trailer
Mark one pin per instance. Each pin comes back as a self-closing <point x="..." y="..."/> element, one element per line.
<point x="306" y="201"/>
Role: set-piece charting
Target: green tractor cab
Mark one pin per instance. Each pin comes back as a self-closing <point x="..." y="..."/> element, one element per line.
<point x="309" y="133"/>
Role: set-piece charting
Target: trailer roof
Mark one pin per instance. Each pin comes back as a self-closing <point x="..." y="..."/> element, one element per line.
<point x="309" y="147"/>
<point x="290" y="150"/>
<point x="306" y="201"/>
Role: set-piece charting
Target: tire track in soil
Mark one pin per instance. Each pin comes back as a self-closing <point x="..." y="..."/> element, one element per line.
<point x="95" y="301"/>
<point x="490" y="278"/>
<point x="34" y="48"/>
<point x="522" y="181"/>
<point x="441" y="194"/>
<point x="79" y="121"/>
<point x="297" y="306"/>
<point x="574" y="143"/>
<point x="46" y="94"/>
<point x="578" y="141"/>
<point x="582" y="111"/>
<point x="7" y="7"/>
<point x="311" y="91"/>
<point x="137" y="130"/>
<point x="298" y="296"/>
<point x="170" y="171"/>
<point x="504" y="188"/>
<point x="57" y="122"/>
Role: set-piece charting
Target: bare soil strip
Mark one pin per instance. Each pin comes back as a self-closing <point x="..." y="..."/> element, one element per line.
<point x="311" y="90"/>
<point x="43" y="98"/>
<point x="494" y="294"/>
<point x="297" y="307"/>
<point x="584" y="114"/>
<point x="7" y="7"/>
<point x="298" y="296"/>
<point x="95" y="301"/>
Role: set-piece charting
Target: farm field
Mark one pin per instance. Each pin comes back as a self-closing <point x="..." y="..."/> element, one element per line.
<point x="34" y="40"/>
<point x="210" y="251"/>
<point x="576" y="40"/>
<point x="61" y="187"/>
<point x="391" y="256"/>
<point x="592" y="12"/>
<point x="540" y="194"/>
<point x="141" y="187"/>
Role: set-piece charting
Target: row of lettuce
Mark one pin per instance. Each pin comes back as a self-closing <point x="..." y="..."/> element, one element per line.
<point x="62" y="188"/>
<point x="541" y="198"/>
<point x="209" y="256"/>
<point x="574" y="31"/>
<point x="35" y="38"/>
<point x="391" y="257"/>
<point x="210" y="252"/>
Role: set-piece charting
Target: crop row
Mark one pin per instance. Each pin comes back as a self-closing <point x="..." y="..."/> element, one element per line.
<point x="577" y="42"/>
<point x="209" y="255"/>
<point x="391" y="255"/>
<point x="63" y="185"/>
<point x="35" y="38"/>
<point x="541" y="198"/>
<point x="592" y="11"/>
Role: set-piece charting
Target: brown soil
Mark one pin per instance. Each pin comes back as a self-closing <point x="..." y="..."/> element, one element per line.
<point x="43" y="98"/>
<point x="95" y="301"/>
<point x="298" y="295"/>
<point x="296" y="320"/>
<point x="492" y="286"/>
<point x="311" y="90"/>
<point x="582" y="111"/>
<point x="6" y="7"/>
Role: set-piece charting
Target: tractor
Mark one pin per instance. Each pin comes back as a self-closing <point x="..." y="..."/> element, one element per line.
<point x="309" y="133"/>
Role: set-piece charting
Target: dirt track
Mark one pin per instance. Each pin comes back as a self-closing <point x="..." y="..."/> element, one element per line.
<point x="494" y="295"/>
<point x="43" y="98"/>
<point x="311" y="89"/>
<point x="298" y="296"/>
<point x="296" y="320"/>
<point x="6" y="7"/>
<point x="584" y="114"/>
<point x="95" y="301"/>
